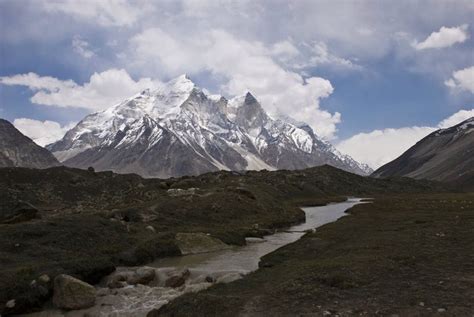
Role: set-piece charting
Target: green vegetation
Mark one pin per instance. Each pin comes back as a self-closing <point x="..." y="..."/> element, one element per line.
<point x="86" y="223"/>
<point x="405" y="255"/>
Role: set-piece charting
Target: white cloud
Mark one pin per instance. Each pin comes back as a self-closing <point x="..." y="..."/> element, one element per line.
<point x="456" y="118"/>
<point x="246" y="66"/>
<point x="321" y="55"/>
<point x="379" y="147"/>
<point x="42" y="132"/>
<point x="82" y="47"/>
<point x="103" y="12"/>
<point x="443" y="38"/>
<point x="284" y="49"/>
<point x="102" y="91"/>
<point x="462" y="79"/>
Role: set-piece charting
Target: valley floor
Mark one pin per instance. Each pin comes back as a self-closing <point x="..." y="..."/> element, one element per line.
<point x="404" y="255"/>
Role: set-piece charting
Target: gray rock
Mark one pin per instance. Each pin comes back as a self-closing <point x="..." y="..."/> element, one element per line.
<point x="144" y="275"/>
<point x="198" y="242"/>
<point x="44" y="278"/>
<point x="150" y="228"/>
<point x="71" y="293"/>
<point x="10" y="304"/>
<point x="118" y="279"/>
<point x="177" y="278"/>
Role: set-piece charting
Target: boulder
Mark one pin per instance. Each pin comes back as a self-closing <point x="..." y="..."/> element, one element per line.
<point x="71" y="293"/>
<point x="143" y="275"/>
<point x="198" y="242"/>
<point x="177" y="278"/>
<point x="23" y="211"/>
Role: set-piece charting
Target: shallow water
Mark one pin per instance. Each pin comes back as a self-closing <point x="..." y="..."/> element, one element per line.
<point x="223" y="266"/>
<point x="246" y="258"/>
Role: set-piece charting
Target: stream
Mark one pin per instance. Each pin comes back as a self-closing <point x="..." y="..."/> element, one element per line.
<point x="200" y="270"/>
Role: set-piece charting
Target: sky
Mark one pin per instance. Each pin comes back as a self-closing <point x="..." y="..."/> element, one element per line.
<point x="372" y="77"/>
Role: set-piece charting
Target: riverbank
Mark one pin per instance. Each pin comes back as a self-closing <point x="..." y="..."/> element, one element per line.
<point x="405" y="255"/>
<point x="84" y="224"/>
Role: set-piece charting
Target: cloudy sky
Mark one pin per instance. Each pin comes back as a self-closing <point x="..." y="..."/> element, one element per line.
<point x="373" y="77"/>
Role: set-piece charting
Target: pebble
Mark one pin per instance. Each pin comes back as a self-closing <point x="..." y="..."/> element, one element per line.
<point x="10" y="304"/>
<point x="441" y="310"/>
<point x="422" y="304"/>
<point x="44" y="278"/>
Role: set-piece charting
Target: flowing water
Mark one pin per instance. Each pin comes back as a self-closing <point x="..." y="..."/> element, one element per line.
<point x="205" y="269"/>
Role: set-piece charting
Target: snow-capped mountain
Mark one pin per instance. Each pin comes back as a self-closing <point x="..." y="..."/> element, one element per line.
<point x="178" y="129"/>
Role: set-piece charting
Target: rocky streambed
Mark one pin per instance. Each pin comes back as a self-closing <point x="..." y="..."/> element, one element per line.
<point x="135" y="291"/>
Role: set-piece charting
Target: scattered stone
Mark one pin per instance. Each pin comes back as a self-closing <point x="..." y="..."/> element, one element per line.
<point x="10" y="304"/>
<point x="327" y="313"/>
<point x="150" y="228"/>
<point x="441" y="310"/>
<point x="254" y="240"/>
<point x="44" y="278"/>
<point x="210" y="279"/>
<point x="116" y="283"/>
<point x="72" y="293"/>
<point x="422" y="304"/>
<point x="230" y="277"/>
<point x="177" y="192"/>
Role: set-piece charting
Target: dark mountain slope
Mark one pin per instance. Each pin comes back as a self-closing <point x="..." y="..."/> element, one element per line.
<point x="444" y="155"/>
<point x="18" y="150"/>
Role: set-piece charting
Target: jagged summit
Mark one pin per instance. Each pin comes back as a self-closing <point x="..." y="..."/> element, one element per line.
<point x="249" y="98"/>
<point x="178" y="129"/>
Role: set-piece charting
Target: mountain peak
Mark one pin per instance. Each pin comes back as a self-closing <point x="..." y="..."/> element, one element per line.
<point x="181" y="83"/>
<point x="249" y="98"/>
<point x="180" y="129"/>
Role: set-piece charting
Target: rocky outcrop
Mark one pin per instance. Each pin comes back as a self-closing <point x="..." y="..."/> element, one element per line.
<point x="192" y="243"/>
<point x="22" y="211"/>
<point x="71" y="293"/>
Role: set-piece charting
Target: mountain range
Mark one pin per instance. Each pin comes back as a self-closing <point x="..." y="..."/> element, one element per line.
<point x="178" y="129"/>
<point x="445" y="155"/>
